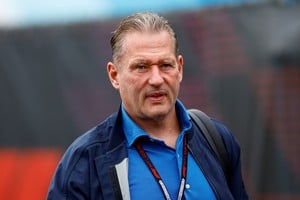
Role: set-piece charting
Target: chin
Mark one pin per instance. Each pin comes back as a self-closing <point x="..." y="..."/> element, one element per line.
<point x="158" y="111"/>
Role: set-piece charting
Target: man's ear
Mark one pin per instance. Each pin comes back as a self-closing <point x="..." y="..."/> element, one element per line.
<point x="180" y="66"/>
<point x="112" y="72"/>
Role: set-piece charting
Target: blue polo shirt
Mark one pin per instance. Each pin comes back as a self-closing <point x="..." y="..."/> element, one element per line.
<point x="166" y="160"/>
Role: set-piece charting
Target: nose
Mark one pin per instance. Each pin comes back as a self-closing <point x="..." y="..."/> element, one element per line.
<point x="155" y="78"/>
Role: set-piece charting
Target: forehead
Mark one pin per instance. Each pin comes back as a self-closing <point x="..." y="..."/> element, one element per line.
<point x="152" y="41"/>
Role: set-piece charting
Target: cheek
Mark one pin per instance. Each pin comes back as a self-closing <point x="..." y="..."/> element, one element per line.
<point x="127" y="86"/>
<point x="175" y="78"/>
<point x="174" y="84"/>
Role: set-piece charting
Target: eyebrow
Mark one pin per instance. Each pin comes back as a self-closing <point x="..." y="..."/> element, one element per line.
<point x="145" y="61"/>
<point x="137" y="61"/>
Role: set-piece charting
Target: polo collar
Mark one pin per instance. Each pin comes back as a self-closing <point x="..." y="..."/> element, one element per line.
<point x="133" y="131"/>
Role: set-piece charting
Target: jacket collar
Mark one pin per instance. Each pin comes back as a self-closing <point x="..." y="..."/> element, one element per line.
<point x="117" y="134"/>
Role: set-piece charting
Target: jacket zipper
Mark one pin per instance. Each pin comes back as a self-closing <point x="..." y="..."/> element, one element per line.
<point x="209" y="181"/>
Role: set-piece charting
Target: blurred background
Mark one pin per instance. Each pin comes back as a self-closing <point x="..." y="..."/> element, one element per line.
<point x="242" y="66"/>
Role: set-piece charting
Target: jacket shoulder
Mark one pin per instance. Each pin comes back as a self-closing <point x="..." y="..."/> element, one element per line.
<point x="228" y="137"/>
<point x="98" y="135"/>
<point x="74" y="162"/>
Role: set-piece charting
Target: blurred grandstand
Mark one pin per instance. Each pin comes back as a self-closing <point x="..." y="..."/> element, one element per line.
<point x="242" y="66"/>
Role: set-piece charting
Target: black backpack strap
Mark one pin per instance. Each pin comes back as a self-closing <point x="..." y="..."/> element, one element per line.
<point x="213" y="137"/>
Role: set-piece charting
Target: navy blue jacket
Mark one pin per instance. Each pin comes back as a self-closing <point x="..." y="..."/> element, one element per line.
<point x="95" y="166"/>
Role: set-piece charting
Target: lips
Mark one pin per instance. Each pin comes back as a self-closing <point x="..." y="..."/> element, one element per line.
<point x="156" y="93"/>
<point x="156" y="96"/>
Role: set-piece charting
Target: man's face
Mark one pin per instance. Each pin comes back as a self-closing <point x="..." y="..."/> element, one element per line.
<point x="148" y="75"/>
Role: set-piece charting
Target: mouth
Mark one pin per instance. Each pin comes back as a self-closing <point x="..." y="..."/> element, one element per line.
<point x="156" y="96"/>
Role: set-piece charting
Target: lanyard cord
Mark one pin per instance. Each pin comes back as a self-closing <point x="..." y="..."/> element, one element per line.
<point x="156" y="175"/>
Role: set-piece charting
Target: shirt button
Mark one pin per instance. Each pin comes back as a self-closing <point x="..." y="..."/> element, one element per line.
<point x="187" y="186"/>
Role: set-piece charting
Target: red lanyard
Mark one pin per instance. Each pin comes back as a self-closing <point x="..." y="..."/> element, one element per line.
<point x="156" y="175"/>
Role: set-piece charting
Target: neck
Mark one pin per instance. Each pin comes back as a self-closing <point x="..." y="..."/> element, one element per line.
<point x="166" y="130"/>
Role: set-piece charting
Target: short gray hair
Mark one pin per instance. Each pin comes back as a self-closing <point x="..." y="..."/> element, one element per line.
<point x="140" y="22"/>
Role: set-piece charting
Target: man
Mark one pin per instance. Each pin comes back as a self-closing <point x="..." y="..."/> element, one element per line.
<point x="150" y="148"/>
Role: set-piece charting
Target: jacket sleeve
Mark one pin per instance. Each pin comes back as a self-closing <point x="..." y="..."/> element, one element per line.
<point x="235" y="183"/>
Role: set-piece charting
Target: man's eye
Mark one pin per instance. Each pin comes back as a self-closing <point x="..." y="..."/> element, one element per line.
<point x="140" y="67"/>
<point x="166" y="65"/>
